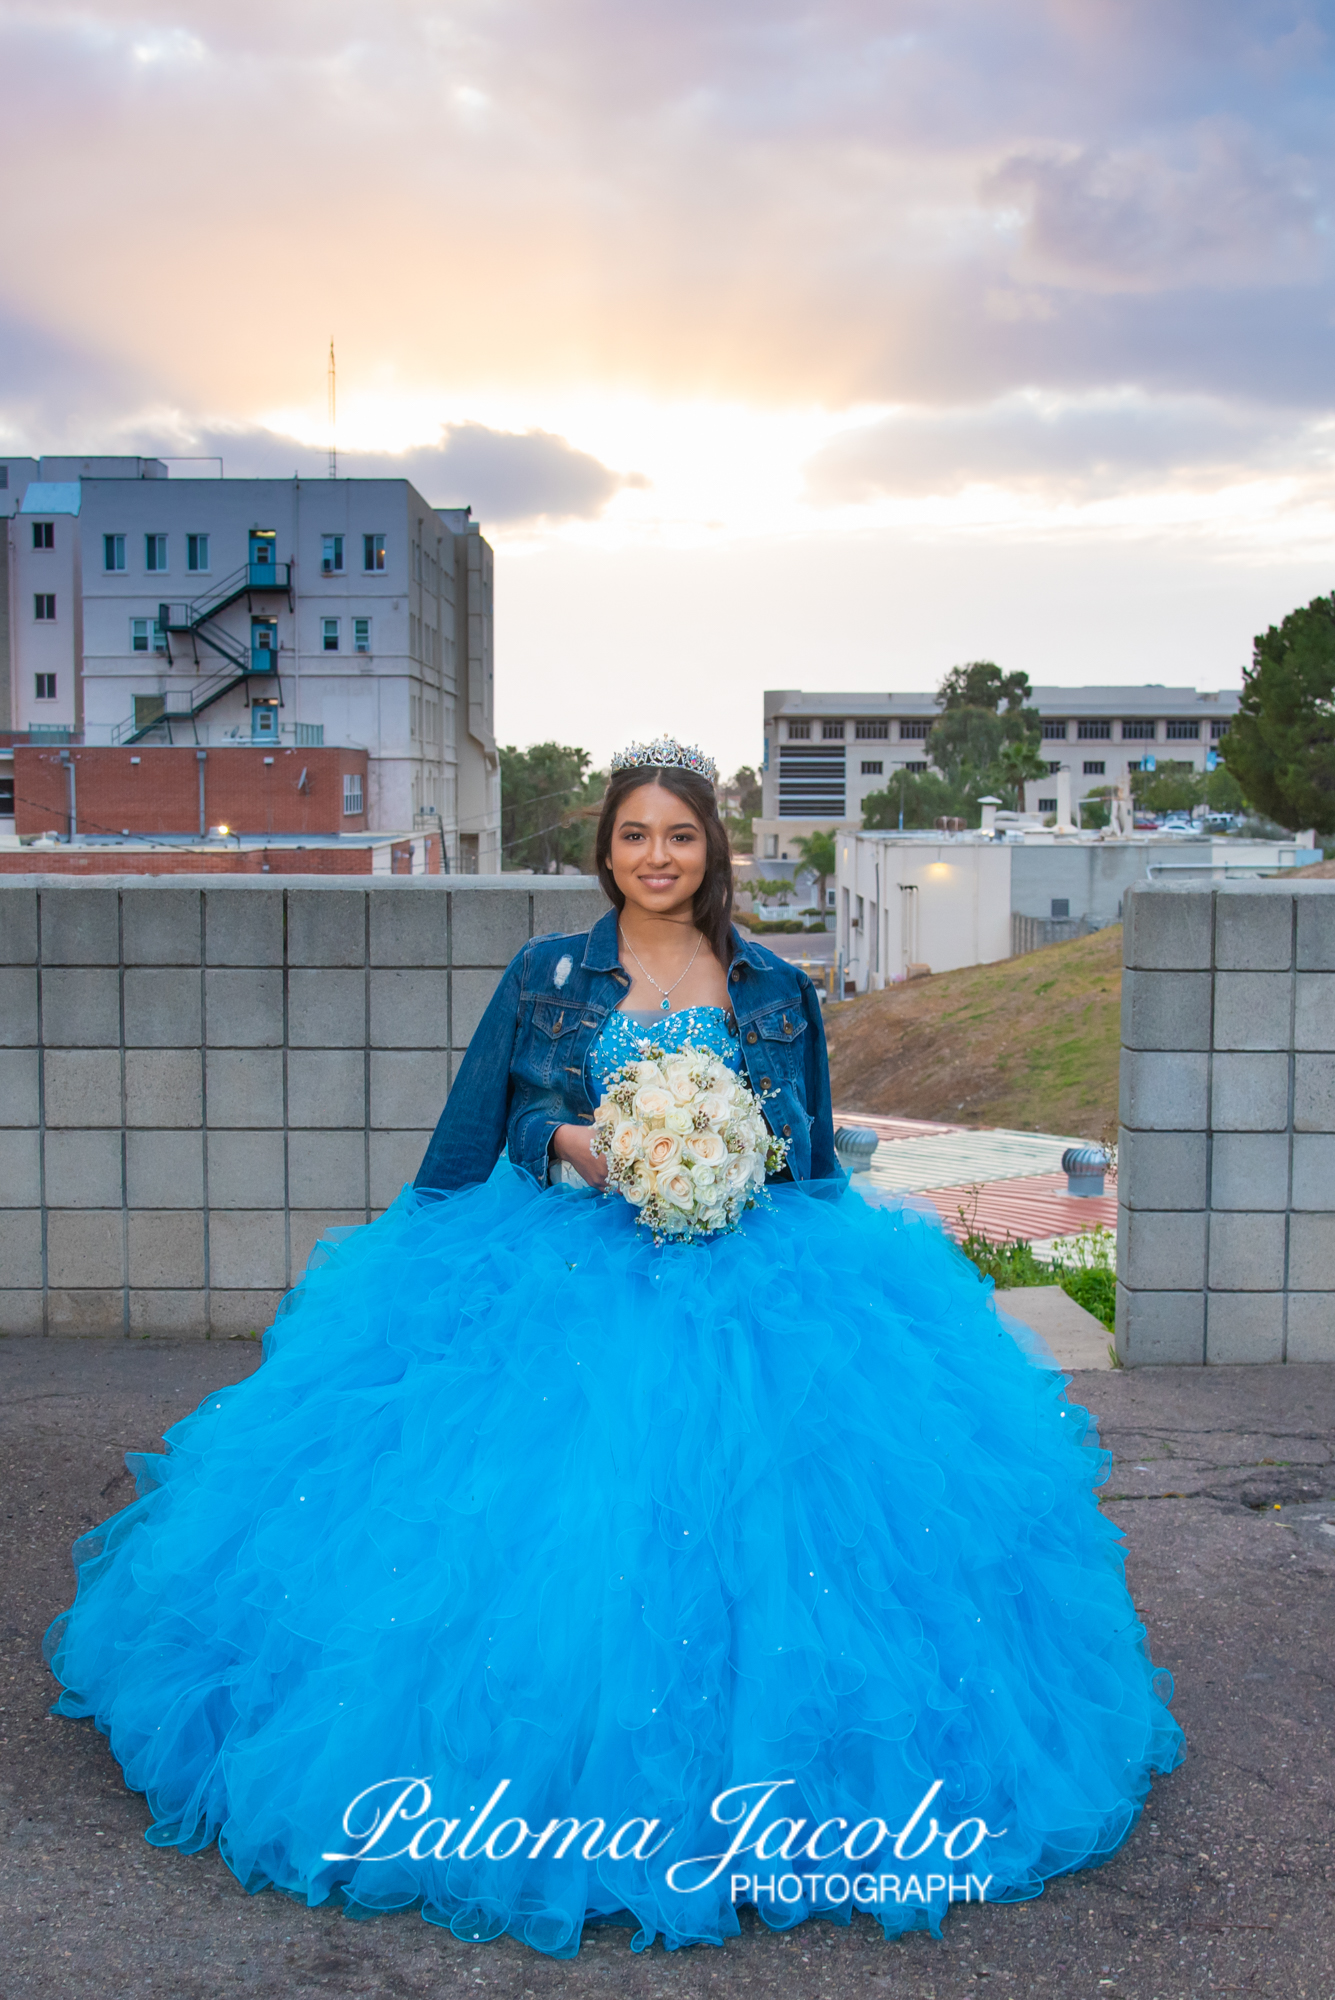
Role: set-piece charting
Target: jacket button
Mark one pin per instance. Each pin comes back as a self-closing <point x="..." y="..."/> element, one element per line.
<point x="787" y="1131"/>
<point x="751" y="1035"/>
<point x="764" y="1083"/>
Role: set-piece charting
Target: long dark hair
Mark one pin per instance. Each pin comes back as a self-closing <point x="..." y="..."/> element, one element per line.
<point x="712" y="910"/>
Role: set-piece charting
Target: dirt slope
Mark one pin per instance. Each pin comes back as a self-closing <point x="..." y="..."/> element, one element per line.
<point x="1031" y="1043"/>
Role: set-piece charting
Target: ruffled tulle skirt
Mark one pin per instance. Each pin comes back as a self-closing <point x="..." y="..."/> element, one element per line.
<point x="541" y="1576"/>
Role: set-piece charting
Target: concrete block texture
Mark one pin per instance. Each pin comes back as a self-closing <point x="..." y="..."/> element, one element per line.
<point x="164" y="1169"/>
<point x="244" y="1087"/>
<point x="1161" y="1170"/>
<point x="243" y="1312"/>
<point x="326" y="1087"/>
<point x="243" y="927"/>
<point x="162" y="927"/>
<point x="20" y="1170"/>
<point x="162" y="1008"/>
<point x="20" y="1095"/>
<point x="1166" y="930"/>
<point x="85" y="1310"/>
<point x="1313" y="1171"/>
<point x="170" y="1312"/>
<point x="80" y="926"/>
<point x="408" y="1088"/>
<point x="85" y="1248"/>
<point x="489" y="930"/>
<point x="1253" y="1010"/>
<point x="1316" y="927"/>
<point x="1244" y="1326"/>
<point x="83" y="1086"/>
<point x="1166" y="1010"/>
<point x="21" y="1246"/>
<point x="164" y="1087"/>
<point x="326" y="1009"/>
<point x="18" y="1006"/>
<point x="1160" y="1252"/>
<point x="1312" y="1255"/>
<point x="1249" y="1170"/>
<point x="1314" y="1093"/>
<point x="326" y="927"/>
<point x="564" y="909"/>
<point x="1247" y="1251"/>
<point x="18" y="926"/>
<point x="243" y="1009"/>
<point x="1311" y="1327"/>
<point x="83" y="1169"/>
<point x="166" y="1247"/>
<point x="1249" y="1093"/>
<point x="246" y="1250"/>
<point x="1253" y="933"/>
<point x="1160" y="1329"/>
<point x="413" y="929"/>
<point x="246" y="1170"/>
<point x="1162" y="1092"/>
<point x="411" y="1009"/>
<point x="310" y="1224"/>
<point x="1314" y="1011"/>
<point x="81" y="1007"/>
<point x="327" y="1169"/>
<point x="472" y="995"/>
<point x="395" y="1158"/>
<point x="22" y="1312"/>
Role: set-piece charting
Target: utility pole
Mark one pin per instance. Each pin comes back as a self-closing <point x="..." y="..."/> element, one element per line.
<point x="333" y="414"/>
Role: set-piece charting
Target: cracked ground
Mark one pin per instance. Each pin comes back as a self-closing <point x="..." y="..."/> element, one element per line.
<point x="1226" y="1885"/>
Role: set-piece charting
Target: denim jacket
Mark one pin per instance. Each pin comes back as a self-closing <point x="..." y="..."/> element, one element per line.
<point x="524" y="1073"/>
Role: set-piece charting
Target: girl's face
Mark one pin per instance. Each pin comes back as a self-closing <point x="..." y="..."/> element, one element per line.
<point x="658" y="854"/>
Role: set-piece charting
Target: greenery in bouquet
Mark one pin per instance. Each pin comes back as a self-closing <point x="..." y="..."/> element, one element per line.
<point x="685" y="1141"/>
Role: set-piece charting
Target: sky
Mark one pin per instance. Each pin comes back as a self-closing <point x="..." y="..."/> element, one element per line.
<point x="774" y="345"/>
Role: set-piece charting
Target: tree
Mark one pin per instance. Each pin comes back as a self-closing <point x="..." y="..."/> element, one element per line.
<point x="739" y="800"/>
<point x="817" y="850"/>
<point x="924" y="797"/>
<point x="979" y="748"/>
<point x="1281" y="746"/>
<point x="548" y="799"/>
<point x="981" y="684"/>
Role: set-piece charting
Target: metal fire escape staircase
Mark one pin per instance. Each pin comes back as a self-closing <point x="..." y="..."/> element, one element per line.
<point x="193" y="621"/>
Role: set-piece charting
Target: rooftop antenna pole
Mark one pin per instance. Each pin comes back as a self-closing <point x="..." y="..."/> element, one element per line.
<point x="333" y="412"/>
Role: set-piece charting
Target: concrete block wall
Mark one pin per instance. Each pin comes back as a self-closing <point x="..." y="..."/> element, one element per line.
<point x="1226" y="1178"/>
<point x="196" y="1080"/>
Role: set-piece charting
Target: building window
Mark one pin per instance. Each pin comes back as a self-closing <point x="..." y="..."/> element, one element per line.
<point x="310" y="734"/>
<point x="1093" y="732"/>
<point x="872" y="768"/>
<point x="4" y="477"/>
<point x="113" y="553"/>
<point x="43" y="534"/>
<point x="44" y="606"/>
<point x="1047" y="805"/>
<point x="373" y="552"/>
<point x="155" y="553"/>
<point x="331" y="555"/>
<point x="914" y="732"/>
<point x="1094" y="768"/>
<point x="147" y="636"/>
<point x="1061" y="905"/>
<point x="329" y="634"/>
<point x="832" y="732"/>
<point x="196" y="552"/>
<point x="352" y="792"/>
<point x="799" y="732"/>
<point x="44" y="687"/>
<point x="1139" y="732"/>
<point x="1054" y="732"/>
<point x="771" y="847"/>
<point x="361" y="635"/>
<point x="1218" y="729"/>
<point x="1053" y="769"/>
<point x="922" y="766"/>
<point x="1183" y="732"/>
<point x="867" y="732"/>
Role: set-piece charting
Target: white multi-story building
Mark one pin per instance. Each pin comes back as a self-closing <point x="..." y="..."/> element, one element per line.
<point x="138" y="608"/>
<point x="824" y="753"/>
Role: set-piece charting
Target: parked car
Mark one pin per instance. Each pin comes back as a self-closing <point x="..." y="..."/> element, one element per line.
<point x="1145" y="822"/>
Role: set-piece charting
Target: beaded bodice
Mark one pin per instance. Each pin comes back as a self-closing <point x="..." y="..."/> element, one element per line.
<point x="707" y="1027"/>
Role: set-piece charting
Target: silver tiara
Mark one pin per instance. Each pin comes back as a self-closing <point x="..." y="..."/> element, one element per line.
<point x="665" y="753"/>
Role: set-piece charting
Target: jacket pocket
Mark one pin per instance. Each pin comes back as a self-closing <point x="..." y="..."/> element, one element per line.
<point x="775" y="1046"/>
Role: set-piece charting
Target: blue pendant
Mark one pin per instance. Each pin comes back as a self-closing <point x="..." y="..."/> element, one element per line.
<point x="663" y="1003"/>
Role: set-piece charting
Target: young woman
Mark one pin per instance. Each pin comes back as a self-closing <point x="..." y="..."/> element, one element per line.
<point x="543" y="1576"/>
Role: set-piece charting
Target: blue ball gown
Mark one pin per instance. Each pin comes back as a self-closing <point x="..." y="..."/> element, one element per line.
<point x="541" y="1577"/>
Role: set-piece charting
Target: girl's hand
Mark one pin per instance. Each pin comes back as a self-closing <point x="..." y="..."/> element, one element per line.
<point x="574" y="1143"/>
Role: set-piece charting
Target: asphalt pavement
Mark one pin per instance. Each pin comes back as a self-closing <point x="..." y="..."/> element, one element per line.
<point x="1226" y="1885"/>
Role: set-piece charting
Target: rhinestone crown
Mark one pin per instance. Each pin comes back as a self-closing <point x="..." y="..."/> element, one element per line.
<point x="665" y="753"/>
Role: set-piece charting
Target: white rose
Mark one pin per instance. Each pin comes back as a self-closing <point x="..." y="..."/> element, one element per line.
<point x="640" y="1185"/>
<point x="677" y="1189"/>
<point x="737" y="1173"/>
<point x="680" y="1121"/>
<point x="706" y="1148"/>
<point x="679" y="1081"/>
<point x="607" y="1113"/>
<point x="740" y="1094"/>
<point x="653" y="1101"/>
<point x="627" y="1140"/>
<point x="662" y="1150"/>
<point x="714" y="1105"/>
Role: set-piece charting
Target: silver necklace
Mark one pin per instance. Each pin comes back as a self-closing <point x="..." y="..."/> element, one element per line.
<point x="666" y="991"/>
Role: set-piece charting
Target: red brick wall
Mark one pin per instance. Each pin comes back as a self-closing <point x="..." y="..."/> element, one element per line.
<point x="187" y="861"/>
<point x="246" y="787"/>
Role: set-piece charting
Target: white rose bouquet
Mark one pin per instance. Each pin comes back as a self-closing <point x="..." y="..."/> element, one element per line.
<point x="685" y="1141"/>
